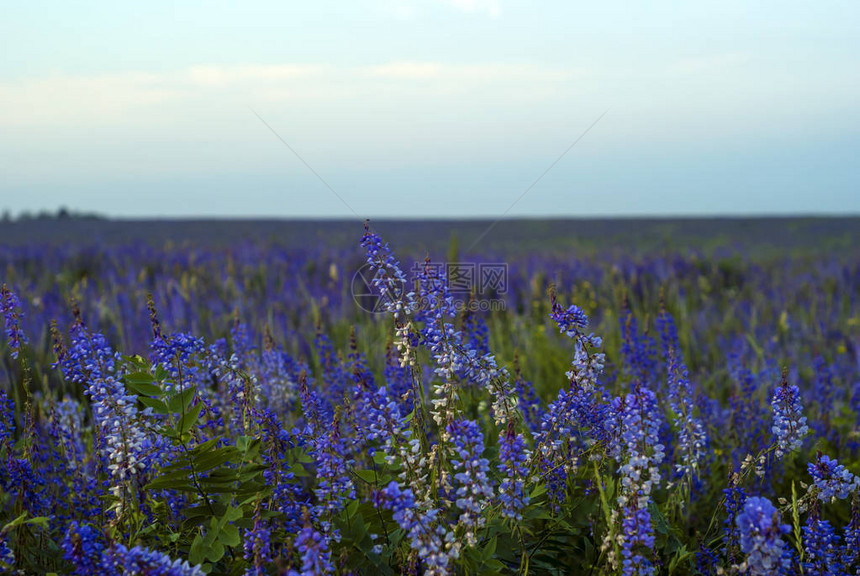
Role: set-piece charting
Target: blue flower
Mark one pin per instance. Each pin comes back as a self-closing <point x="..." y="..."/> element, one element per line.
<point x="10" y="308"/>
<point x="513" y="457"/>
<point x="427" y="536"/>
<point x="474" y="490"/>
<point x="821" y="547"/>
<point x="761" y="537"/>
<point x="637" y="532"/>
<point x="140" y="561"/>
<point x="258" y="547"/>
<point x="7" y="557"/>
<point x="789" y="423"/>
<point x="692" y="438"/>
<point x="7" y="418"/>
<point x="832" y="479"/>
<point x="313" y="548"/>
<point x="83" y="547"/>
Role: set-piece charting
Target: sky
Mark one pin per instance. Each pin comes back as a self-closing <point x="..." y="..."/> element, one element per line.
<point x="433" y="108"/>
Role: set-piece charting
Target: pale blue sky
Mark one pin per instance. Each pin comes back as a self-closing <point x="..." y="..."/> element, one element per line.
<point x="431" y="108"/>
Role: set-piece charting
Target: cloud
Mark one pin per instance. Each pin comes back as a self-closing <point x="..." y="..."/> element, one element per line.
<point x="140" y="98"/>
<point x="223" y="75"/>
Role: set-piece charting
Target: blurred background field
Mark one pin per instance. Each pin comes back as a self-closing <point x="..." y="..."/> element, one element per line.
<point x="776" y="289"/>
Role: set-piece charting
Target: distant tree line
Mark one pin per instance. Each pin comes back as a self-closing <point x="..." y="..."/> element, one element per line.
<point x="62" y="213"/>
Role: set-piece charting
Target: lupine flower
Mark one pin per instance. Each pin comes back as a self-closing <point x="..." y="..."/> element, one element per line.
<point x="513" y="457"/>
<point x="91" y="362"/>
<point x="527" y="401"/>
<point x="7" y="556"/>
<point x="735" y="499"/>
<point x="287" y="495"/>
<point x="587" y="364"/>
<point x="789" y="423"/>
<point x="257" y="547"/>
<point x="850" y="555"/>
<point x="574" y="416"/>
<point x="335" y="375"/>
<point x="388" y="278"/>
<point x="637" y="532"/>
<point x="329" y="449"/>
<point x="642" y="454"/>
<point x="638" y="350"/>
<point x="692" y="439"/>
<point x="475" y="332"/>
<point x="821" y="547"/>
<point x="177" y="354"/>
<point x="10" y="308"/>
<point x="642" y="451"/>
<point x="7" y="418"/>
<point x="83" y="547"/>
<point x="832" y="479"/>
<point x="824" y="395"/>
<point x="474" y="489"/>
<point x="427" y="536"/>
<point x="706" y="560"/>
<point x="313" y="548"/>
<point x="140" y="561"/>
<point x="454" y="358"/>
<point x="761" y="537"/>
<point x="17" y="476"/>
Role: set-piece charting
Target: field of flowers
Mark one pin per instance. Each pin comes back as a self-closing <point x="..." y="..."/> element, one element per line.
<point x="192" y="408"/>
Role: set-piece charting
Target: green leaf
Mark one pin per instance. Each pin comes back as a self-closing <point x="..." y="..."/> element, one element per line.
<point x="215" y="552"/>
<point x="189" y="419"/>
<point x="143" y="389"/>
<point x="489" y="550"/>
<point x="197" y="553"/>
<point x="41" y="521"/>
<point x="157" y="405"/>
<point x="175" y="480"/>
<point x="215" y="458"/>
<point x="182" y="400"/>
<point x="229" y="535"/>
<point x="368" y="476"/>
<point x="16" y="522"/>
<point x="538" y="491"/>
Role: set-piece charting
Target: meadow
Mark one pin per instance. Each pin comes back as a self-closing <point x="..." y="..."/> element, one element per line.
<point x="615" y="397"/>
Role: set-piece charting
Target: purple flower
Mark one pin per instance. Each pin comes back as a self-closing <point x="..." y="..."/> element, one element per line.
<point x="140" y="561"/>
<point x="637" y="532"/>
<point x="388" y="277"/>
<point x="7" y="418"/>
<point x="789" y="423"/>
<point x="7" y="557"/>
<point x="691" y="437"/>
<point x="851" y="547"/>
<point x="10" y="308"/>
<point x="427" y="536"/>
<point x="821" y="547"/>
<point x="735" y="499"/>
<point x="474" y="489"/>
<point x="91" y="362"/>
<point x="761" y="537"/>
<point x="832" y="479"/>
<point x="513" y="457"/>
<point x="587" y="364"/>
<point x="83" y="547"/>
<point x="313" y="547"/>
<point x="642" y="451"/>
<point x="258" y="547"/>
